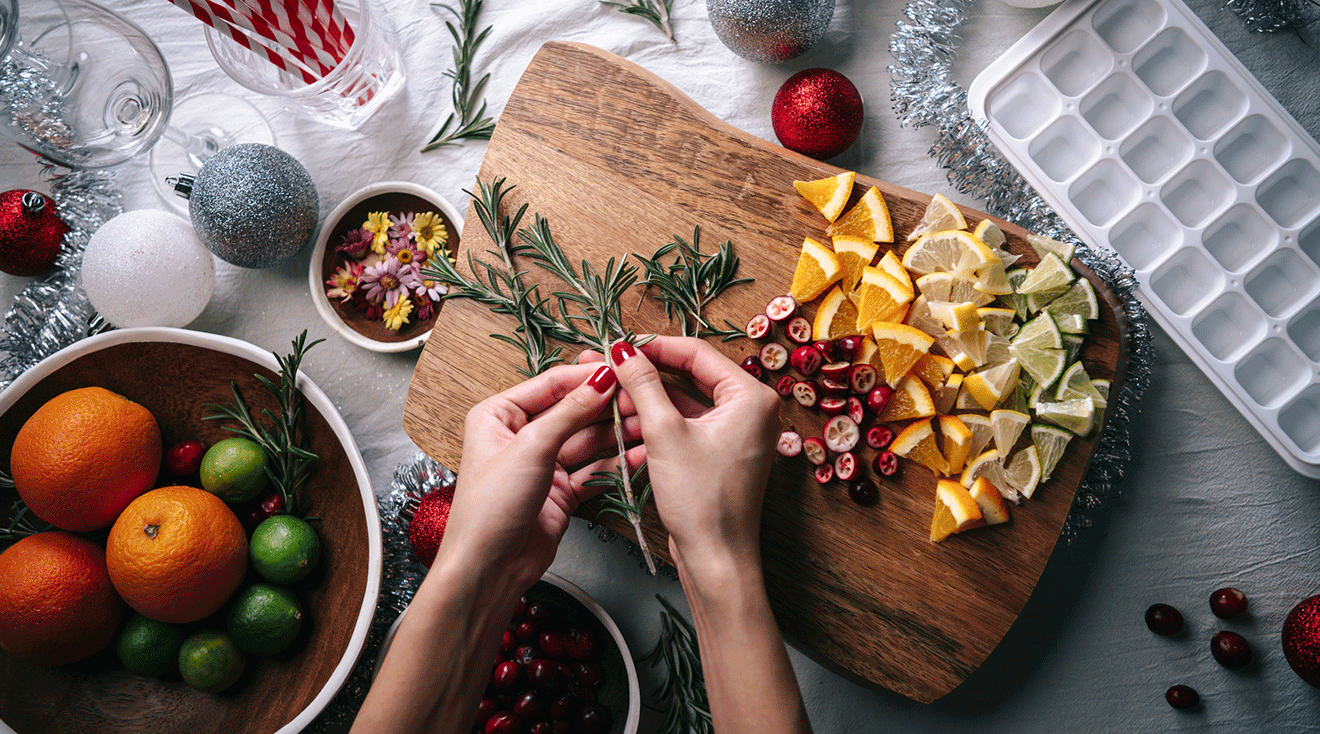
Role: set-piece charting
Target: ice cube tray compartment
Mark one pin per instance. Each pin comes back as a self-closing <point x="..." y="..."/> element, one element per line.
<point x="1148" y="137"/>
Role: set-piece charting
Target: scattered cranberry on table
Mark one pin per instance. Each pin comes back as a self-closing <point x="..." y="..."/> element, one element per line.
<point x="1230" y="649"/>
<point x="1163" y="619"/>
<point x="1227" y="603"/>
<point x="1182" y="697"/>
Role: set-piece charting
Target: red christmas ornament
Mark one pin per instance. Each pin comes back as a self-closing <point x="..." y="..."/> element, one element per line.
<point x="31" y="233"/>
<point x="427" y="526"/>
<point x="1301" y="640"/>
<point x="817" y="112"/>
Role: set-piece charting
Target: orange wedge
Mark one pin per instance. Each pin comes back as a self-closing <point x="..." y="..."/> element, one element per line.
<point x="892" y="265"/>
<point x="869" y="219"/>
<point x="854" y="254"/>
<point x="933" y="369"/>
<point x="835" y="317"/>
<point x="917" y="442"/>
<point x="828" y="195"/>
<point x="955" y="510"/>
<point x="817" y="269"/>
<point x="910" y="400"/>
<point x="878" y="296"/>
<point x="957" y="442"/>
<point x="994" y="510"/>
<point x="900" y="347"/>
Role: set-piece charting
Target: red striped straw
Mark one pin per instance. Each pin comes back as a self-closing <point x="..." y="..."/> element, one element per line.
<point x="267" y="21"/>
<point x="222" y="21"/>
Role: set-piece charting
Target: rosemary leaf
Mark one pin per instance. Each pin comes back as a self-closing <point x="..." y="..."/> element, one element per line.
<point x="466" y="124"/>
<point x="691" y="281"/>
<point x="655" y="11"/>
<point x="683" y="690"/>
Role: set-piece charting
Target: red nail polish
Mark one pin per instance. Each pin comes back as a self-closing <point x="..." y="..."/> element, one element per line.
<point x="602" y="379"/>
<point x="621" y="351"/>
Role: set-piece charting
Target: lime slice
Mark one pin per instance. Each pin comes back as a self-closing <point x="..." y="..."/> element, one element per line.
<point x="1050" y="273"/>
<point x="1046" y="245"/>
<point x="1023" y="472"/>
<point x="1020" y="398"/>
<point x="1072" y="346"/>
<point x="1101" y="386"/>
<point x="1007" y="426"/>
<point x="1040" y="300"/>
<point x="1039" y="394"/>
<point x="1044" y="365"/>
<point x="1071" y="323"/>
<point x="1039" y="333"/>
<point x="1050" y="441"/>
<point x="1075" y="383"/>
<point x="998" y="320"/>
<point x="1077" y="415"/>
<point x="1079" y="299"/>
<point x="1014" y="301"/>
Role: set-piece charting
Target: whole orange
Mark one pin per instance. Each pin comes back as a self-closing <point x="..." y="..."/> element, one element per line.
<point x="83" y="456"/>
<point x="176" y="554"/>
<point x="56" y="601"/>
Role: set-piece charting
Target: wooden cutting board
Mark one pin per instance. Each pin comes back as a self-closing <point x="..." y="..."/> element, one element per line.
<point x="618" y="160"/>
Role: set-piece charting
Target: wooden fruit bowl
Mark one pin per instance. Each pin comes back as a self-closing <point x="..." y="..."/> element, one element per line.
<point x="175" y="373"/>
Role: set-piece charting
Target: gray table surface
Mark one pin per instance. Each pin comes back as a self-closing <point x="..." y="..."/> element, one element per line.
<point x="1206" y="503"/>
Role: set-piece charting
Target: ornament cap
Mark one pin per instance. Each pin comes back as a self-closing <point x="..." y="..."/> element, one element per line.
<point x="33" y="203"/>
<point x="182" y="184"/>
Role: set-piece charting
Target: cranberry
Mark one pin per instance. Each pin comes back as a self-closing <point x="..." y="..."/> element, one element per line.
<point x="847" y="347"/>
<point x="588" y="673"/>
<point x="270" y="505"/>
<point x="485" y="710"/>
<point x="1182" y="697"/>
<point x="508" y="643"/>
<point x="507" y="676"/>
<point x="826" y="349"/>
<point x="564" y="708"/>
<point x="824" y="473"/>
<point x="580" y="642"/>
<point x="524" y="654"/>
<point x="785" y="386"/>
<point x="878" y="437"/>
<point x="758" y="326"/>
<point x="520" y="610"/>
<point x="886" y="463"/>
<point x="529" y="705"/>
<point x="540" y="727"/>
<point x="504" y="722"/>
<point x="544" y="675"/>
<point x="864" y="492"/>
<point x="184" y="458"/>
<point x="1230" y="649"/>
<point x="593" y="718"/>
<point x="798" y="330"/>
<point x="552" y="644"/>
<point x="806" y="360"/>
<point x="752" y="366"/>
<point x="781" y="308"/>
<point x="540" y="612"/>
<point x="878" y="398"/>
<point x="1163" y="619"/>
<point x="526" y="631"/>
<point x="583" y="693"/>
<point x="1228" y="603"/>
<point x="561" y="727"/>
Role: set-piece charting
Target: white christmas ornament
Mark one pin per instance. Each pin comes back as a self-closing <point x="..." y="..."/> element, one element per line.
<point x="147" y="268"/>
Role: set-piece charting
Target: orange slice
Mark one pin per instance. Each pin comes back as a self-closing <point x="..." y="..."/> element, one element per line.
<point x="828" y="195"/>
<point x="955" y="510"/>
<point x="900" y="347"/>
<point x="854" y="254"/>
<point x="910" y="400"/>
<point x="878" y="296"/>
<point x="917" y="442"/>
<point x="869" y="219"/>
<point x="994" y="510"/>
<point x="835" y="317"/>
<point x="892" y="265"/>
<point x="817" y="269"/>
<point x="957" y="442"/>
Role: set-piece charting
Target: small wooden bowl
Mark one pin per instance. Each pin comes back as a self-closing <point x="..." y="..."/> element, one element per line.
<point x="174" y="373"/>
<point x="344" y="318"/>
<point x="621" y="687"/>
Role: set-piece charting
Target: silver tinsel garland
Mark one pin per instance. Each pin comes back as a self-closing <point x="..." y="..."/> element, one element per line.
<point x="1267" y="16"/>
<point x="925" y="94"/>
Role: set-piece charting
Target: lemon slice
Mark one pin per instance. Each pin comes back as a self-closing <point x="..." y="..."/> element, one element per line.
<point x="988" y="463"/>
<point x="900" y="347"/>
<point x="869" y="219"/>
<point x="1049" y="274"/>
<point x="990" y="233"/>
<point x="994" y="510"/>
<point x="947" y="251"/>
<point x="933" y="369"/>
<point x="828" y="195"/>
<point x="835" y="317"/>
<point x="940" y="214"/>
<point x="946" y="396"/>
<point x="993" y="279"/>
<point x="877" y="296"/>
<point x="1048" y="245"/>
<point x="1076" y="415"/>
<point x="982" y="432"/>
<point x="998" y="320"/>
<point x="817" y="269"/>
<point x="965" y="348"/>
<point x="989" y="386"/>
<point x="953" y="288"/>
<point x="918" y="317"/>
<point x="996" y="349"/>
<point x="957" y="442"/>
<point x="1050" y="442"/>
<point x="1007" y="426"/>
<point x="955" y="511"/>
<point x="1075" y="383"/>
<point x="917" y="442"/>
<point x="890" y="263"/>
<point x="960" y="316"/>
<point x="1023" y="472"/>
<point x="910" y="400"/>
<point x="854" y="254"/>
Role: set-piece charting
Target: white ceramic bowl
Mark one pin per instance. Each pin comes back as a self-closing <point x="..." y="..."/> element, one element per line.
<point x="559" y="591"/>
<point x="388" y="196"/>
<point x="175" y="373"/>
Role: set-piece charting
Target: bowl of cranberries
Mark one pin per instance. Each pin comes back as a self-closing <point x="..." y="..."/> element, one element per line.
<point x="562" y="666"/>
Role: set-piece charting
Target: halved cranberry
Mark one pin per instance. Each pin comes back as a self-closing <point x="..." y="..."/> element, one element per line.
<point x="752" y="366"/>
<point x="863" y="491"/>
<point x="841" y="434"/>
<point x="862" y="378"/>
<point x="789" y="444"/>
<point x="758" y="326"/>
<point x="878" y="437"/>
<point x="833" y="405"/>
<point x="806" y="360"/>
<point x="848" y="347"/>
<point x="886" y="463"/>
<point x="878" y="398"/>
<point x="774" y="356"/>
<point x="798" y="330"/>
<point x="806" y="393"/>
<point x="826" y="348"/>
<point x="833" y="388"/>
<point x="836" y="370"/>
<point x="785" y="386"/>
<point x="781" y="308"/>
<point x="855" y="409"/>
<point x="824" y="473"/>
<point x="846" y="466"/>
<point x="813" y="448"/>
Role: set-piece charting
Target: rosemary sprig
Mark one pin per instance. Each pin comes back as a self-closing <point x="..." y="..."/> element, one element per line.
<point x="655" y="11"/>
<point x="612" y="500"/>
<point x="683" y="692"/>
<point x="22" y="524"/>
<point x="689" y="283"/>
<point x="287" y="457"/>
<point x="468" y="126"/>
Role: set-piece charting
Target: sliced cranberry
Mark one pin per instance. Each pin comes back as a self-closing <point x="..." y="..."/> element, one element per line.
<point x="878" y="437"/>
<point x="862" y="378"/>
<point x="798" y="330"/>
<point x="785" y="386"/>
<point x="806" y="360"/>
<point x="824" y="473"/>
<point x="833" y="388"/>
<point x="789" y="444"/>
<point x="826" y="349"/>
<point x="813" y="448"/>
<point x="781" y="308"/>
<point x="806" y="393"/>
<point x="848" y="347"/>
<point x="886" y="463"/>
<point x="752" y="366"/>
<point x="836" y="370"/>
<point x="841" y="434"/>
<point x="863" y="491"/>
<point x="833" y="405"/>
<point x="846" y="466"/>
<point x="183" y="459"/>
<point x="774" y="356"/>
<point x="758" y="327"/>
<point x="580" y="642"/>
<point x="1228" y="603"/>
<point x="878" y="398"/>
<point x="855" y="410"/>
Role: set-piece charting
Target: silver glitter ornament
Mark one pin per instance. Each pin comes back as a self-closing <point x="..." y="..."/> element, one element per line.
<point x="252" y="205"/>
<point x="770" y="31"/>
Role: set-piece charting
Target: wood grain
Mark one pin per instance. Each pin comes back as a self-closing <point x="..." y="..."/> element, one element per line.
<point x="96" y="696"/>
<point x="619" y="160"/>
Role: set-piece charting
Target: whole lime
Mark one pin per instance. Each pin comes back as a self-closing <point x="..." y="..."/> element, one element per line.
<point x="149" y="647"/>
<point x="234" y="469"/>
<point x="284" y="549"/>
<point x="210" y="662"/>
<point x="264" y="619"/>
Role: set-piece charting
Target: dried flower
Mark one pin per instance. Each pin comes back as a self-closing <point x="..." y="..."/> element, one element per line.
<point x="432" y="290"/>
<point x="344" y="281"/>
<point x="378" y="223"/>
<point x="397" y="315"/>
<point x="429" y="231"/>
<point x="401" y="227"/>
<point x="357" y="243"/>
<point x="385" y="281"/>
<point x="406" y="252"/>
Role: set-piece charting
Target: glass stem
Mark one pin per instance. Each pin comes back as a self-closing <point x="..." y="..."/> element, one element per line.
<point x="200" y="146"/>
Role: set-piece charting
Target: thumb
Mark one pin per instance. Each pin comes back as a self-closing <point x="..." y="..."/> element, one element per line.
<point x="545" y="434"/>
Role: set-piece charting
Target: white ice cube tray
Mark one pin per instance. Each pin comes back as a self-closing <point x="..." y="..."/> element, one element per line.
<point x="1148" y="137"/>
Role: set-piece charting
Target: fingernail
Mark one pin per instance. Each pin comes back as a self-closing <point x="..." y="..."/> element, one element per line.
<point x="620" y="352"/>
<point x="602" y="379"/>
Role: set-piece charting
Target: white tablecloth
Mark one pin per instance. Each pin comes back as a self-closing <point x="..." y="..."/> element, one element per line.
<point x="1207" y="503"/>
